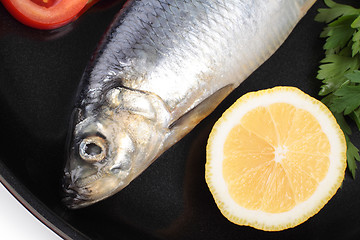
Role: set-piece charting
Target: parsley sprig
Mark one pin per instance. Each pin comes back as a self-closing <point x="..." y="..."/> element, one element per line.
<point x="339" y="71"/>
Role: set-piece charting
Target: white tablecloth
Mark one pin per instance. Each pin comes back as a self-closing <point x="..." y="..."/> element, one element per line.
<point x="17" y="223"/>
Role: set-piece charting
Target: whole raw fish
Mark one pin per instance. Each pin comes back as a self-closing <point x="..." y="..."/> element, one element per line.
<point x="162" y="67"/>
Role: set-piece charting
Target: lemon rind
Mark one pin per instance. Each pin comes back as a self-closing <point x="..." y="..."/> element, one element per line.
<point x="303" y="211"/>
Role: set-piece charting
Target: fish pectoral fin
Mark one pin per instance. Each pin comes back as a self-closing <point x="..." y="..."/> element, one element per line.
<point x="191" y="118"/>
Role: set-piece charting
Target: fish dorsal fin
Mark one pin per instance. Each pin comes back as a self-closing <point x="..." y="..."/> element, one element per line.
<point x="194" y="115"/>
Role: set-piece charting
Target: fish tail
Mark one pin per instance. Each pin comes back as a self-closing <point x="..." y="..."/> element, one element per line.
<point x="286" y="18"/>
<point x="305" y="5"/>
<point x="290" y="16"/>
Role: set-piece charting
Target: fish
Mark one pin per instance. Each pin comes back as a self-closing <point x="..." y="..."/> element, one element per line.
<point x="161" y="67"/>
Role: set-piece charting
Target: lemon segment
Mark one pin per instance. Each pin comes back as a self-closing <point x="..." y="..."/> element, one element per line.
<point x="274" y="159"/>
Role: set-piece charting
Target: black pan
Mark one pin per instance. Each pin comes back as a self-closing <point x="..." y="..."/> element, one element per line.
<point x="39" y="74"/>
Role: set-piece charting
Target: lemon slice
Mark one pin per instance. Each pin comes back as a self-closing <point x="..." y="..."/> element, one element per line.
<point x="274" y="159"/>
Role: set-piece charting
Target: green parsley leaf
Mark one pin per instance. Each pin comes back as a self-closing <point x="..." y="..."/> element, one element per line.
<point x="333" y="69"/>
<point x="334" y="11"/>
<point x="353" y="76"/>
<point x="356" y="22"/>
<point x="352" y="155"/>
<point x="342" y="123"/>
<point x="339" y="71"/>
<point x="347" y="99"/>
<point x="355" y="115"/>
<point x="339" y="32"/>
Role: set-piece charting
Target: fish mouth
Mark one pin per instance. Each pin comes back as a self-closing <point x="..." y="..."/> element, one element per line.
<point x="73" y="200"/>
<point x="86" y="191"/>
<point x="74" y="197"/>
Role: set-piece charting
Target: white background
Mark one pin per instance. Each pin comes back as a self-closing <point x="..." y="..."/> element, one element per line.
<point x="17" y="223"/>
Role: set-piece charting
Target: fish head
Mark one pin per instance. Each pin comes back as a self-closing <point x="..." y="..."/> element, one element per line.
<point x="99" y="160"/>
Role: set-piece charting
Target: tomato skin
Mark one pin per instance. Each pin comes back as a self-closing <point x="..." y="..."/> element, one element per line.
<point x="40" y="17"/>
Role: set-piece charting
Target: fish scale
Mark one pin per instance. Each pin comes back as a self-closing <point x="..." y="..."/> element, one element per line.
<point x="161" y="68"/>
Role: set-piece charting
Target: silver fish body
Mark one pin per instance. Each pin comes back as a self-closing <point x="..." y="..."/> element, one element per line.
<point x="161" y="68"/>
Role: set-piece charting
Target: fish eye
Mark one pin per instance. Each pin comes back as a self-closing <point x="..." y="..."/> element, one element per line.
<point x="93" y="149"/>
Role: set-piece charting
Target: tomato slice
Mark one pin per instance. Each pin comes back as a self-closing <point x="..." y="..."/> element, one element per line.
<point x="44" y="14"/>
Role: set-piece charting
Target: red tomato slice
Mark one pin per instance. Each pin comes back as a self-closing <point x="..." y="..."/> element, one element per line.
<point x="44" y="14"/>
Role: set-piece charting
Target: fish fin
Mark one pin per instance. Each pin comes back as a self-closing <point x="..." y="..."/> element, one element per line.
<point x="192" y="117"/>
